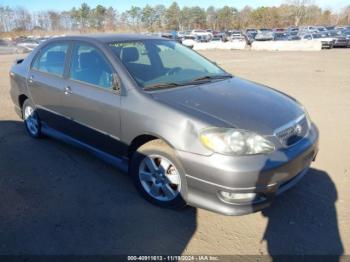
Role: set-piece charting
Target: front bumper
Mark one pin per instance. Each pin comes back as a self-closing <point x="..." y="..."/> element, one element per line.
<point x="327" y="44"/>
<point x="265" y="175"/>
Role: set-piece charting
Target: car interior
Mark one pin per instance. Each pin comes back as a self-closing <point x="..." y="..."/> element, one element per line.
<point x="90" y="67"/>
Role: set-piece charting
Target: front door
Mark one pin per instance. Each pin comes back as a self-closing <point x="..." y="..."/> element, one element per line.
<point x="90" y="101"/>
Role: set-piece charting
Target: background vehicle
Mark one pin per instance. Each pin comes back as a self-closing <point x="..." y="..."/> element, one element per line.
<point x="8" y="48"/>
<point x="236" y="35"/>
<point x="326" y="42"/>
<point x="189" y="40"/>
<point x="346" y="33"/>
<point x="340" y="40"/>
<point x="264" y="35"/>
<point x="251" y="30"/>
<point x="203" y="35"/>
<point x="280" y="36"/>
<point x="28" y="44"/>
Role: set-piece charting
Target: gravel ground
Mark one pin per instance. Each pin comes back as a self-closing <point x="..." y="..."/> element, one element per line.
<point x="56" y="199"/>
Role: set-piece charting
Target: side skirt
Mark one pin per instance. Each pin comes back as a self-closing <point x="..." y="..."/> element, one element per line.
<point x="119" y="163"/>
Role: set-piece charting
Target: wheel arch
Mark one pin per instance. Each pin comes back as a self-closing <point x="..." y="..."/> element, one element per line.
<point x="21" y="99"/>
<point x="141" y="140"/>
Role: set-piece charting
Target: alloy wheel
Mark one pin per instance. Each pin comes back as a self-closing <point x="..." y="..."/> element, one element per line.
<point x="31" y="120"/>
<point x="160" y="178"/>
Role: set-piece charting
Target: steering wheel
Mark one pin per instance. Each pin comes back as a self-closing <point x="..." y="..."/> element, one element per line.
<point x="173" y="71"/>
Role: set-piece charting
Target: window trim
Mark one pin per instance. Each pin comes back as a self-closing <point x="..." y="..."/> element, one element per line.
<point x="43" y="49"/>
<point x="70" y="62"/>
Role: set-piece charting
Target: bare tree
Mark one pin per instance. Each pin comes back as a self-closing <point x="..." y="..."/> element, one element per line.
<point x="159" y="17"/>
<point x="345" y="15"/>
<point x="110" y="19"/>
<point x="299" y="9"/>
<point x="54" y="20"/>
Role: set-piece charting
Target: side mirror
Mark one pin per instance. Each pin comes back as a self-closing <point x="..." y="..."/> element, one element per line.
<point x="116" y="83"/>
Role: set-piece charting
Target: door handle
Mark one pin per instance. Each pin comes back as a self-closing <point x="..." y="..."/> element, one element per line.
<point x="67" y="90"/>
<point x="31" y="79"/>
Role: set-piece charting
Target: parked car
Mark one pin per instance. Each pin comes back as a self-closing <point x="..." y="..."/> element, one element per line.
<point x="203" y="35"/>
<point x="326" y="42"/>
<point x="332" y="27"/>
<point x="342" y="28"/>
<point x="217" y="38"/>
<point x="340" y="40"/>
<point x="308" y="29"/>
<point x="28" y="44"/>
<point x="236" y="35"/>
<point x="7" y="48"/>
<point x="251" y="30"/>
<point x="189" y="40"/>
<point x="294" y="37"/>
<point x="280" y="36"/>
<point x="346" y="33"/>
<point x="293" y="29"/>
<point x="321" y="29"/>
<point x="279" y="30"/>
<point x="42" y="39"/>
<point x="264" y="35"/>
<point x="186" y="130"/>
<point x="219" y="35"/>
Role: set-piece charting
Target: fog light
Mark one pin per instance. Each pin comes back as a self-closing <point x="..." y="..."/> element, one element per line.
<point x="238" y="197"/>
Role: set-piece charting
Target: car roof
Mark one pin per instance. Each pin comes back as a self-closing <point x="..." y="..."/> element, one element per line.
<point x="108" y="38"/>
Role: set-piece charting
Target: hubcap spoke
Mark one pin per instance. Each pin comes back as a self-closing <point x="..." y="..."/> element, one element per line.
<point x="155" y="190"/>
<point x="168" y="191"/>
<point x="146" y="176"/>
<point x="151" y="165"/>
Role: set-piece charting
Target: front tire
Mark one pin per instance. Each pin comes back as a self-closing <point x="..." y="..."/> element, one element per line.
<point x="158" y="175"/>
<point x="31" y="119"/>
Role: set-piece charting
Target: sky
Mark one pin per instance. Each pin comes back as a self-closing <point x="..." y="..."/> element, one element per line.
<point x="122" y="5"/>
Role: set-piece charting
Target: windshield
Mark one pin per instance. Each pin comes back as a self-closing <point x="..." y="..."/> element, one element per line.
<point x="155" y="63"/>
<point x="334" y="33"/>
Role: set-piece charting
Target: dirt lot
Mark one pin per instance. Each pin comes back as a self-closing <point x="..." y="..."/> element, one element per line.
<point x="56" y="199"/>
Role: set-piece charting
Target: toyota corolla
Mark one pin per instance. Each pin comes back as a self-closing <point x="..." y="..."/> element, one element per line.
<point x="187" y="131"/>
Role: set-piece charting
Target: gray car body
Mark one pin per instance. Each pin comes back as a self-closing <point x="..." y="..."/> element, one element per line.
<point x="133" y="116"/>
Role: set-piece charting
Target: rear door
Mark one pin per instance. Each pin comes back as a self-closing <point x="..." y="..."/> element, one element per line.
<point x="90" y="101"/>
<point x="46" y="82"/>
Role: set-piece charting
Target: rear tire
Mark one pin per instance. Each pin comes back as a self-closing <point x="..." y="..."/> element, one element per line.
<point x="158" y="175"/>
<point x="31" y="119"/>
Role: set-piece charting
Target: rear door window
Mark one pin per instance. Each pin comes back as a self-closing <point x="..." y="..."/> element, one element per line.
<point x="52" y="59"/>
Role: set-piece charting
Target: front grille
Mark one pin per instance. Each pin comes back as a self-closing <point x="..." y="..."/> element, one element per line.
<point x="293" y="132"/>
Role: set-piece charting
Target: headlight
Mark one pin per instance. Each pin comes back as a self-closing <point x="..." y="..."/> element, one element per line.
<point x="239" y="142"/>
<point x="308" y="118"/>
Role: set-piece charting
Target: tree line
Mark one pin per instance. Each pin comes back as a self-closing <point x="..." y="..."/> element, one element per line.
<point x="160" y="18"/>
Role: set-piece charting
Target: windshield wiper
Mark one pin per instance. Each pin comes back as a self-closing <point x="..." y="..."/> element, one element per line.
<point x="162" y="85"/>
<point x="210" y="77"/>
<point x="193" y="81"/>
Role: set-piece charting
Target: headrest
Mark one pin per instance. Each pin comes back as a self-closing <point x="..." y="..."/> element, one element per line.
<point x="130" y="54"/>
<point x="89" y="59"/>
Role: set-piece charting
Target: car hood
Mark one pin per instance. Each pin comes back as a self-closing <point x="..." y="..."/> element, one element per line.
<point x="234" y="102"/>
